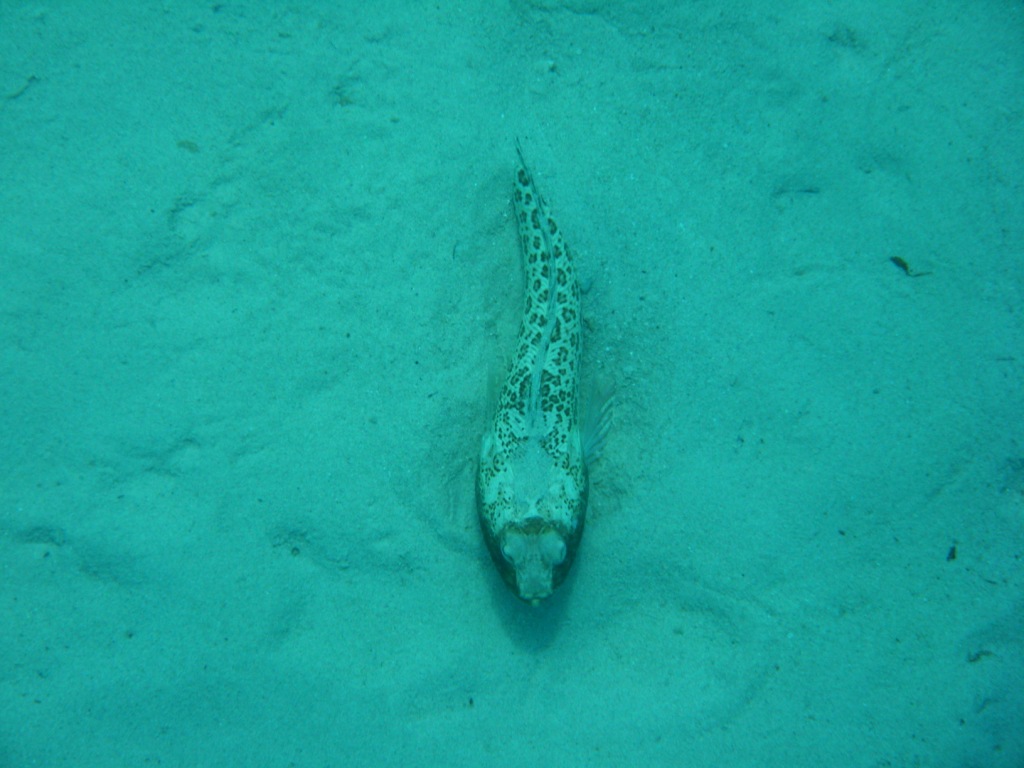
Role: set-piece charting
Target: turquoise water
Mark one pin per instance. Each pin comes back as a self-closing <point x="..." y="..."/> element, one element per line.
<point x="260" y="274"/>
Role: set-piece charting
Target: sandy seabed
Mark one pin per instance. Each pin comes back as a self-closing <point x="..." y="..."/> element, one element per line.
<point x="259" y="273"/>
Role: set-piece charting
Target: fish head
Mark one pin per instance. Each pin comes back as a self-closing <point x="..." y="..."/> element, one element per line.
<point x="534" y="549"/>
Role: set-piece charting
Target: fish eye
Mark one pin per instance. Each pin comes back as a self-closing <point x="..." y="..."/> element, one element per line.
<point x="512" y="547"/>
<point x="552" y="548"/>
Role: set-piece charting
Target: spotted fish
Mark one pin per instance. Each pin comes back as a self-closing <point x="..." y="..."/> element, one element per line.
<point x="532" y="484"/>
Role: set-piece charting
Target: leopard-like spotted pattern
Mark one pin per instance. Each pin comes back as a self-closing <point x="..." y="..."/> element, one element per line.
<point x="532" y="484"/>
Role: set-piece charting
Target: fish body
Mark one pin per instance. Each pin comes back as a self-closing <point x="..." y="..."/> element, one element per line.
<point x="532" y="484"/>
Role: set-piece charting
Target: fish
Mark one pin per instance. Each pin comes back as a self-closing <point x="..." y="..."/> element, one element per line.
<point x="533" y="478"/>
